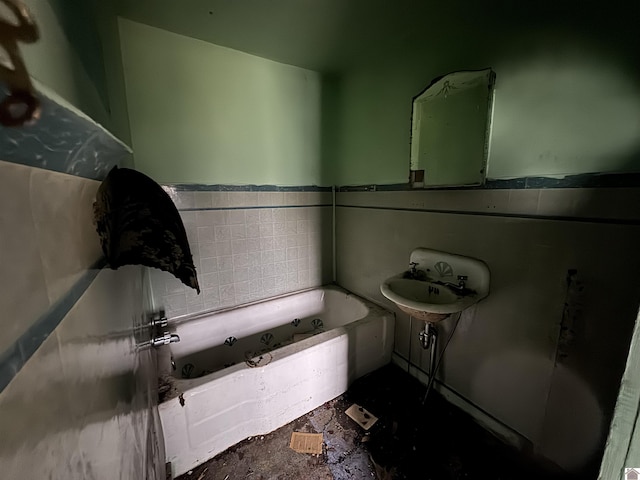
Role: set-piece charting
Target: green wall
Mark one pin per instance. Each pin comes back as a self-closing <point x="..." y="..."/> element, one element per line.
<point x="55" y="61"/>
<point x="200" y="113"/>
<point x="566" y="102"/>
<point x="78" y="58"/>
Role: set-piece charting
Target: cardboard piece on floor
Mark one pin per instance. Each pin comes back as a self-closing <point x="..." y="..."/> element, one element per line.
<point x="361" y="416"/>
<point x="306" y="442"/>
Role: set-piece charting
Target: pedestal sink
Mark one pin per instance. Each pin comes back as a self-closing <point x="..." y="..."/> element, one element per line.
<point x="437" y="284"/>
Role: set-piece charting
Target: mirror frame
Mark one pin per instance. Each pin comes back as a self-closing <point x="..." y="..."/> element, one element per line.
<point x="470" y="78"/>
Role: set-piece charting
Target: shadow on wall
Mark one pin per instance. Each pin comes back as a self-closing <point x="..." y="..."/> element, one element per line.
<point x="565" y="111"/>
<point x="330" y="127"/>
<point x="78" y="21"/>
<point x="562" y="113"/>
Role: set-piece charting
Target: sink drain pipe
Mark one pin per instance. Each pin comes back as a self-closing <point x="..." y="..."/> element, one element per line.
<point x="429" y="340"/>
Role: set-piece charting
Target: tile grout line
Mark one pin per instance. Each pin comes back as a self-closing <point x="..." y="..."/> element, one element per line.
<point x="254" y="207"/>
<point x="611" y="221"/>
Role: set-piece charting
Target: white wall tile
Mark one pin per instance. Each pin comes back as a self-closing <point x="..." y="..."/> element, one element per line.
<point x="303" y="278"/>
<point x="303" y="263"/>
<point x="206" y="250"/>
<point x="176" y="301"/>
<point x="244" y="244"/>
<point x="63" y="415"/>
<point x="253" y="245"/>
<point x="185" y="200"/>
<point x="208" y="265"/>
<point x="266" y="215"/>
<point x="209" y="280"/>
<point x="240" y="260"/>
<point x="266" y="229"/>
<point x="292" y="198"/>
<point x="279" y="229"/>
<point x="239" y="246"/>
<point x="222" y="233"/>
<point x="223" y="249"/>
<point x="279" y="254"/>
<point x="292" y="266"/>
<point x="219" y="199"/>
<point x="292" y="281"/>
<point x="507" y="345"/>
<point x="238" y="232"/>
<point x="226" y="277"/>
<point x="254" y="260"/>
<point x="240" y="274"/>
<point x="236" y="217"/>
<point x="279" y="214"/>
<point x="205" y="234"/>
<point x="253" y="230"/>
<point x="292" y="253"/>
<point x="267" y="243"/>
<point x="280" y="243"/>
<point x="203" y="200"/>
<point x="20" y="257"/>
<point x="266" y="256"/>
<point x="280" y="283"/>
<point x="227" y="293"/>
<point x="268" y="270"/>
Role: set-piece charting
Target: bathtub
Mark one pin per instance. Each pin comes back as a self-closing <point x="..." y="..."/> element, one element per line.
<point x="250" y="370"/>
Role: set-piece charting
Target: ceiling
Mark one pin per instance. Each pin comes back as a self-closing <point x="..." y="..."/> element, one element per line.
<point x="335" y="35"/>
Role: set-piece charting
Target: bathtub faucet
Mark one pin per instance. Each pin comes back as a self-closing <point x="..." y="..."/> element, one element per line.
<point x="165" y="339"/>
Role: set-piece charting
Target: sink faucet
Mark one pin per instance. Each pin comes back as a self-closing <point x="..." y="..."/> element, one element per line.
<point x="413" y="270"/>
<point x="461" y="287"/>
<point x="413" y="273"/>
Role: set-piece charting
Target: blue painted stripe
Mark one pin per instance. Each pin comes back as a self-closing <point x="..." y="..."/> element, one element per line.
<point x="587" y="180"/>
<point x="63" y="141"/>
<point x="198" y="187"/>
<point x="13" y="359"/>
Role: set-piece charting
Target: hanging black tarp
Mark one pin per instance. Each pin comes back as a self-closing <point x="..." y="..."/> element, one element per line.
<point x="138" y="224"/>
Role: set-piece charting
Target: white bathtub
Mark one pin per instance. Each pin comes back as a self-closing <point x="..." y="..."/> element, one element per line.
<point x="267" y="388"/>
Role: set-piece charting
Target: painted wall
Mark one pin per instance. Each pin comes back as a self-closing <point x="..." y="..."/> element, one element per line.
<point x="201" y="113"/>
<point x="567" y="99"/>
<point x="109" y="32"/>
<point x="56" y="59"/>
<point x="78" y="58"/>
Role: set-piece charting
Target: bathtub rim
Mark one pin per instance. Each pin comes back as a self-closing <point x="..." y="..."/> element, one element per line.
<point x="188" y="317"/>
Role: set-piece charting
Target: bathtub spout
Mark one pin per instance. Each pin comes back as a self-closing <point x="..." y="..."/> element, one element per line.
<point x="165" y="339"/>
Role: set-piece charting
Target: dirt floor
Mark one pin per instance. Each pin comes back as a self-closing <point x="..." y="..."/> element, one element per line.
<point x="436" y="441"/>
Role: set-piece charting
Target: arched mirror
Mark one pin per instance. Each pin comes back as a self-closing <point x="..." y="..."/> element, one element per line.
<point x="450" y="130"/>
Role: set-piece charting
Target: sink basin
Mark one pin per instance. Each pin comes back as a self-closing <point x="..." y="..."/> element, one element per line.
<point x="431" y="300"/>
<point x="425" y="300"/>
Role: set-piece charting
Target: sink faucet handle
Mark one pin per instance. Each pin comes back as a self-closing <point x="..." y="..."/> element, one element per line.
<point x="462" y="279"/>
<point x="413" y="265"/>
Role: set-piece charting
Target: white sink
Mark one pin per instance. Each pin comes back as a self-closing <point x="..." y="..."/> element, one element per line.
<point x="431" y="294"/>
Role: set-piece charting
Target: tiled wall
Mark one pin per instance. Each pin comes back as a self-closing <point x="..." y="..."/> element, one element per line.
<point x="249" y="246"/>
<point x="505" y="356"/>
<point x="76" y="395"/>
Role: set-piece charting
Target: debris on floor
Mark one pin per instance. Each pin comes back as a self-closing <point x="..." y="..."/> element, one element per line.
<point x="306" y="442"/>
<point x="361" y="416"/>
<point x="409" y="441"/>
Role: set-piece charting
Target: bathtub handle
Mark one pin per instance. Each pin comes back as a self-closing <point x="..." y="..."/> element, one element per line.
<point x="158" y="320"/>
